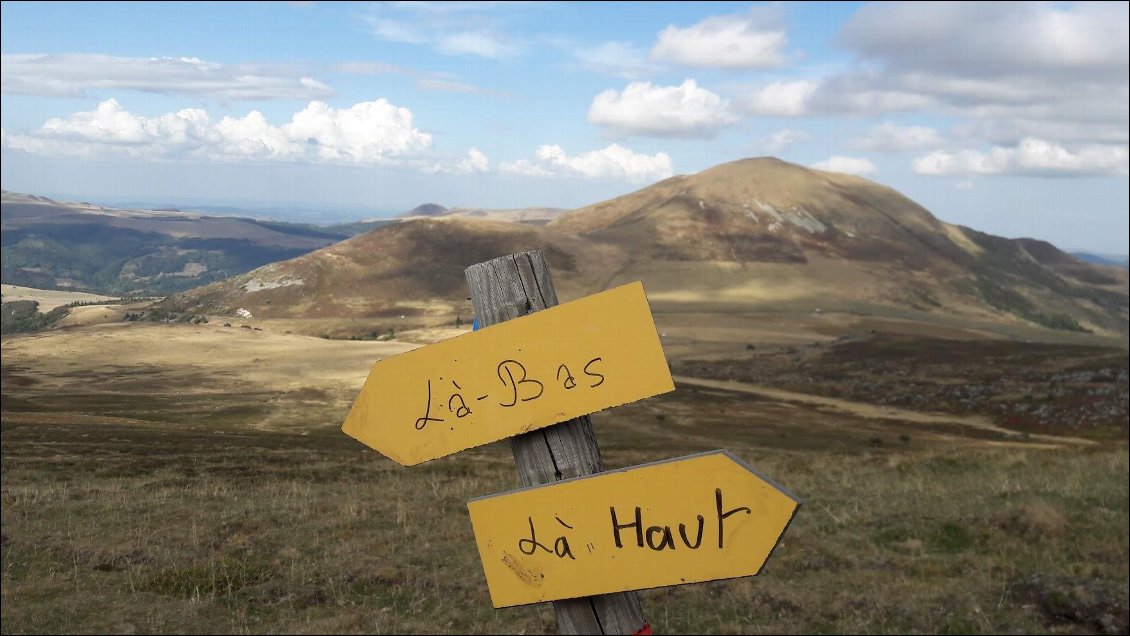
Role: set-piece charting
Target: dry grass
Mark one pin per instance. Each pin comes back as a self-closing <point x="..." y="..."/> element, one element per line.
<point x="216" y="494"/>
<point x="48" y="299"/>
<point x="136" y="529"/>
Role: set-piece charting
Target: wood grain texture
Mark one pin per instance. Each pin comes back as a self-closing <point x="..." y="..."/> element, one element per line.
<point x="507" y="288"/>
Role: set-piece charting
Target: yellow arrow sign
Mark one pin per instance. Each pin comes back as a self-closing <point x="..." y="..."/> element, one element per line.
<point x="698" y="518"/>
<point x="550" y="366"/>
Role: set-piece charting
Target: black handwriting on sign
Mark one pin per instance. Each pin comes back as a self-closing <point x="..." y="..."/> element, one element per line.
<point x="594" y="374"/>
<point x="661" y="537"/>
<point x="421" y="422"/>
<point x="462" y="410"/>
<point x="506" y="372"/>
<point x="518" y="384"/>
<point x="560" y="545"/>
<point x="570" y="382"/>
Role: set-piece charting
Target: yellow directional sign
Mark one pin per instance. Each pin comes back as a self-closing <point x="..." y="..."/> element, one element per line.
<point x="550" y="366"/>
<point x="698" y="518"/>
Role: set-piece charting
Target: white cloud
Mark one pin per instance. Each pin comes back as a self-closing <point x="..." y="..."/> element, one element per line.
<point x="481" y="43"/>
<point x="396" y="31"/>
<point x="467" y="28"/>
<point x="449" y="86"/>
<point x="474" y="162"/>
<point x="731" y="41"/>
<point x="612" y="163"/>
<point x="1002" y="72"/>
<point x="981" y="39"/>
<point x="781" y="99"/>
<point x="251" y="136"/>
<point x="847" y="165"/>
<point x="74" y="75"/>
<point x="1030" y="156"/>
<point x="890" y="137"/>
<point x="662" y="111"/>
<point x="1054" y="71"/>
<point x="433" y="81"/>
<point x="847" y="94"/>
<point x="784" y="138"/>
<point x="367" y="133"/>
<point x="369" y="68"/>
<point x="618" y="59"/>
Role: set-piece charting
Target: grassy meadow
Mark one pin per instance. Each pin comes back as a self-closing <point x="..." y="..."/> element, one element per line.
<point x="187" y="517"/>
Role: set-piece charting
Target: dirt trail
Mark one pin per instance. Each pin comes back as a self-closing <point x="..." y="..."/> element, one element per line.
<point x="863" y="409"/>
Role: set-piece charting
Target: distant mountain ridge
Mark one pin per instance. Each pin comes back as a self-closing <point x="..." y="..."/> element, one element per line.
<point x="426" y="209"/>
<point x="54" y="245"/>
<point x="752" y="235"/>
<point x="1112" y="260"/>
<point x="514" y="215"/>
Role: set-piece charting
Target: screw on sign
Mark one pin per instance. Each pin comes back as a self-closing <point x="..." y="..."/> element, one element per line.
<point x="583" y="540"/>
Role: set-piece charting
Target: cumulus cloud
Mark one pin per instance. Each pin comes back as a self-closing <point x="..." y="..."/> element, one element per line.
<point x="982" y="39"/>
<point x="849" y="94"/>
<point x="1016" y="70"/>
<point x="642" y="108"/>
<point x="781" y="99"/>
<point x="746" y="41"/>
<point x="784" y="138"/>
<point x="474" y="162"/>
<point x="612" y="163"/>
<point x="366" y="133"/>
<point x="847" y="165"/>
<point x="890" y="137"/>
<point x="74" y="75"/>
<point x="1031" y="156"/>
<point x="1003" y="71"/>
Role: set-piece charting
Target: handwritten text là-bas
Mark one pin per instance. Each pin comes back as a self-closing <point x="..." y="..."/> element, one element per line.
<point x="517" y="384"/>
<point x="627" y="529"/>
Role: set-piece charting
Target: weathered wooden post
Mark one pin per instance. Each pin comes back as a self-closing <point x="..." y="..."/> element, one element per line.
<point x="511" y="287"/>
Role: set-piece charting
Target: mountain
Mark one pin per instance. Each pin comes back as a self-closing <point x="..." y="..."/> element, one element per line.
<point x="758" y="235"/>
<point x="517" y="215"/>
<point x="766" y="233"/>
<point x="1103" y="259"/>
<point x="51" y="245"/>
<point x="426" y="209"/>
<point x="414" y="268"/>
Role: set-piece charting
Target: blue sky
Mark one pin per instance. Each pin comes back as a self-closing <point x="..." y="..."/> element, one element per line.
<point x="1011" y="118"/>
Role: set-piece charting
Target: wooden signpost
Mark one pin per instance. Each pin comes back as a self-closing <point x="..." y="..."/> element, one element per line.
<point x="587" y="543"/>
<point x="698" y="518"/>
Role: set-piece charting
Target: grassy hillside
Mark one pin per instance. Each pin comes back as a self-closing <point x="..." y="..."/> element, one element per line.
<point x="124" y="262"/>
<point x="51" y="245"/>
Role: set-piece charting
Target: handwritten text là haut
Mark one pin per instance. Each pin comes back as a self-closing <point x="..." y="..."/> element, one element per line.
<point x="628" y="530"/>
